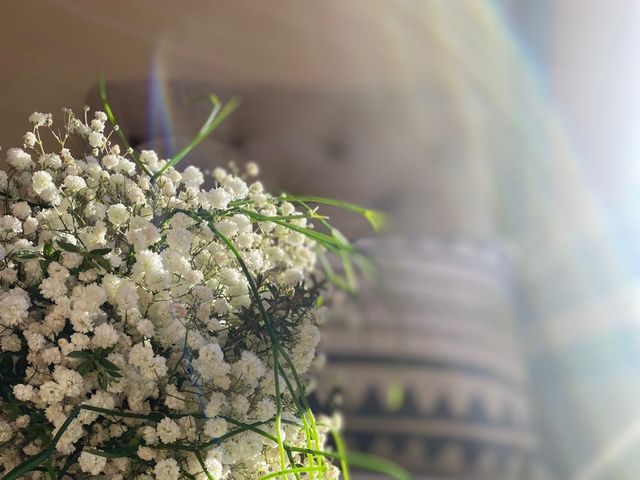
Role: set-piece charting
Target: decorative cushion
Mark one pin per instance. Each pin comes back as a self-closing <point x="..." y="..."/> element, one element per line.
<point x="429" y="366"/>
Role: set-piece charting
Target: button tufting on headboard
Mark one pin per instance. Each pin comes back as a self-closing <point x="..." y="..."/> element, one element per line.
<point x="336" y="150"/>
<point x="375" y="148"/>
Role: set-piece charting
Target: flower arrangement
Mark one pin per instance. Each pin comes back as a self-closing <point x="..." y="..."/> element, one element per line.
<point x="151" y="328"/>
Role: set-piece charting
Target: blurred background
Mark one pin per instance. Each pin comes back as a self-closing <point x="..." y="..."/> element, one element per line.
<point x="503" y="340"/>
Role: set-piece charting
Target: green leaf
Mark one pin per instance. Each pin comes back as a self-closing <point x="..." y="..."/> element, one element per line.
<point x="100" y="251"/>
<point x="103" y="379"/>
<point x="11" y="411"/>
<point x="108" y="453"/>
<point x="108" y="365"/>
<point x="85" y="367"/>
<point x="68" y="247"/>
<point x="101" y="262"/>
<point x="6" y="363"/>
<point x="25" y="254"/>
<point x="48" y="250"/>
<point x="332" y="242"/>
<point x="50" y="471"/>
<point x="80" y="354"/>
<point x="107" y="351"/>
<point x="20" y="367"/>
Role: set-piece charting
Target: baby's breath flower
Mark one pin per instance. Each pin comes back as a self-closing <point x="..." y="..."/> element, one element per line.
<point x="21" y="210"/>
<point x="6" y="432"/>
<point x="105" y="336"/>
<point x="23" y="392"/>
<point x="51" y="392"/>
<point x="216" y="427"/>
<point x="29" y="139"/>
<point x="146" y="453"/>
<point x="10" y="343"/>
<point x="74" y="183"/>
<point x="120" y="291"/>
<point x="175" y="400"/>
<point x="91" y="463"/>
<point x="19" y="159"/>
<point x="41" y="181"/>
<point x="40" y="119"/>
<point x="252" y="169"/>
<point x="14" y="306"/>
<point x="96" y="139"/>
<point x="168" y="430"/>
<point x="166" y="469"/>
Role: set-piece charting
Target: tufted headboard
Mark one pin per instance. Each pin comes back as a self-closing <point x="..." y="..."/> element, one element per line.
<point x="384" y="149"/>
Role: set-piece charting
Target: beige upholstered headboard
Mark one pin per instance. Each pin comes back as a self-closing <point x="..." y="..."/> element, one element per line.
<point x="392" y="150"/>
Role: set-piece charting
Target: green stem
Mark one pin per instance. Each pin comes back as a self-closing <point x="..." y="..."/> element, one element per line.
<point x="203" y="465"/>
<point x="277" y="348"/>
<point x="342" y="451"/>
<point x="272" y="335"/>
<point x="284" y="473"/>
<point x="364" y="461"/>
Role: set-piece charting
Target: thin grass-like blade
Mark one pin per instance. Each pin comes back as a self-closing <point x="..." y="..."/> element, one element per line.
<point x="364" y="461"/>
<point x="218" y="114"/>
<point x="203" y="465"/>
<point x="293" y="470"/>
<point x="378" y="465"/>
<point x="375" y="218"/>
<point x="342" y="451"/>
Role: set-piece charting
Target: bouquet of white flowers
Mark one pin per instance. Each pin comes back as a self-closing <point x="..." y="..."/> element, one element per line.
<point x="150" y="328"/>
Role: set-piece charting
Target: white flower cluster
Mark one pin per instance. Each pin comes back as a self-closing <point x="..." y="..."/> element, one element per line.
<point x="129" y="313"/>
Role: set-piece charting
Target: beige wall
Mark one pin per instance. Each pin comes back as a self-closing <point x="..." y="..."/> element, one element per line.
<point x="51" y="52"/>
